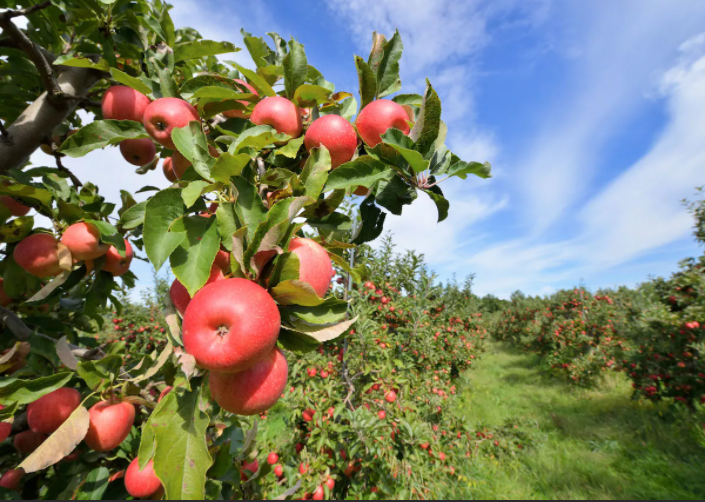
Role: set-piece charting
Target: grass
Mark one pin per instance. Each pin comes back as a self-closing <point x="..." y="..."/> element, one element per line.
<point x="587" y="444"/>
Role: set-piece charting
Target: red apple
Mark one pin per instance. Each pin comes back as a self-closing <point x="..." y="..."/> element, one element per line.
<point x="83" y="240"/>
<point x="179" y="294"/>
<point x="5" y="299"/>
<point x="15" y="208"/>
<point x="138" y="152"/>
<point x="47" y="413"/>
<point x="164" y="115"/>
<point x="319" y="493"/>
<point x="110" y="424"/>
<point x="231" y="325"/>
<point x="168" y="168"/>
<point x="278" y="471"/>
<point x="254" y="390"/>
<point x="315" y="266"/>
<point x="280" y="113"/>
<point x="124" y="103"/>
<point x="38" y="255"/>
<point x="28" y="441"/>
<point x="336" y="134"/>
<point x="5" y="429"/>
<point x="382" y="414"/>
<point x="141" y="484"/>
<point x="330" y="483"/>
<point x="248" y="469"/>
<point x="222" y="260"/>
<point x="180" y="163"/>
<point x="116" y="264"/>
<point x="231" y="114"/>
<point x="377" y="117"/>
<point x="11" y="479"/>
<point x="272" y="458"/>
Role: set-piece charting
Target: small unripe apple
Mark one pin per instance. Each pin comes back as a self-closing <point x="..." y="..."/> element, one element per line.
<point x="116" y="264"/>
<point x="315" y="266"/>
<point x="254" y="390"/>
<point x="379" y="116"/>
<point x="124" y="103"/>
<point x="164" y="115"/>
<point x="47" y="413"/>
<point x="11" y="479"/>
<point x="168" y="168"/>
<point x="141" y="484"/>
<point x="179" y="294"/>
<point x="5" y="429"/>
<point x="180" y="163"/>
<point x="5" y="299"/>
<point x="38" y="255"/>
<point x="28" y="441"/>
<point x="231" y="325"/>
<point x="138" y="152"/>
<point x="336" y="134"/>
<point x="110" y="424"/>
<point x="231" y="114"/>
<point x="15" y="208"/>
<point x="83" y="240"/>
<point x="280" y="113"/>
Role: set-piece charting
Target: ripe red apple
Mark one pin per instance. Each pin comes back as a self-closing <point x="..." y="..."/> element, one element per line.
<point x="38" y="255"/>
<point x="377" y="117"/>
<point x="15" y="208"/>
<point x="11" y="479"/>
<point x="222" y="260"/>
<point x="5" y="299"/>
<point x="254" y="390"/>
<point x="168" y="168"/>
<point x="164" y="115"/>
<point x="231" y="325"/>
<point x="382" y="414"/>
<point x="28" y="441"/>
<point x="315" y="266"/>
<point x="391" y="396"/>
<point x="319" y="493"/>
<point x="5" y="429"/>
<point x="272" y="458"/>
<point x="330" y="483"/>
<point x="280" y="113"/>
<point x="138" y="152"/>
<point x="180" y="163"/>
<point x="124" y="103"/>
<point x="141" y="484"/>
<point x="179" y="294"/>
<point x="110" y="424"/>
<point x="278" y="471"/>
<point x="116" y="264"/>
<point x="336" y="134"/>
<point x="83" y="240"/>
<point x="248" y="469"/>
<point x="231" y="114"/>
<point x="47" y="413"/>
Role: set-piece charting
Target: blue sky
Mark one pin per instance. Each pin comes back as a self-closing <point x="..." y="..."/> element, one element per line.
<point x="590" y="112"/>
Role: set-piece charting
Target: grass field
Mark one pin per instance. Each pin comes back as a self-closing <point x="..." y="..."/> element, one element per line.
<point x="586" y="444"/>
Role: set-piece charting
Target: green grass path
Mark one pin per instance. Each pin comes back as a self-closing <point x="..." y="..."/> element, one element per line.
<point x="586" y="444"/>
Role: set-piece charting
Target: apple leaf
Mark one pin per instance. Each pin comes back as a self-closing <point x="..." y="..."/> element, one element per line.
<point x="193" y="191"/>
<point x="226" y="220"/>
<point x="296" y="342"/>
<point x="372" y="222"/>
<point x="16" y="229"/>
<point x="100" y="134"/>
<point x="250" y="209"/>
<point x="286" y="268"/>
<point x="202" y="49"/>
<point x="295" y="293"/>
<point x="14" y="390"/>
<point x="295" y="68"/>
<point x="162" y="210"/>
<point x="82" y="62"/>
<point x="257" y="81"/>
<point x="104" y="371"/>
<point x="368" y="82"/>
<point x="394" y="194"/>
<point x="462" y="169"/>
<point x="181" y="457"/>
<point x="441" y="202"/>
<point x="315" y="172"/>
<point x="428" y="124"/>
<point x="95" y="485"/>
<point x="257" y="137"/>
<point x="406" y="148"/>
<point x="408" y="99"/>
<point x="377" y="52"/>
<point x="209" y="81"/>
<point x="331" y="311"/>
<point x="308" y="96"/>
<point x="28" y="192"/>
<point x="332" y="226"/>
<point x="61" y="443"/>
<point x="363" y="171"/>
<point x="228" y="165"/>
<point x="193" y="258"/>
<point x="133" y="217"/>
<point x="291" y="149"/>
<point x="388" y="81"/>
<point x="192" y="143"/>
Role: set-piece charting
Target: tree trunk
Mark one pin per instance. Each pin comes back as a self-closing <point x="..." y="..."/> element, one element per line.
<point x="37" y="122"/>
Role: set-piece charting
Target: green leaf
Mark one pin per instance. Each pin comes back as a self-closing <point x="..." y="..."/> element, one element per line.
<point x="462" y="169"/>
<point x="408" y="99"/>
<point x="295" y="293"/>
<point x="100" y="134"/>
<point x="58" y="185"/>
<point x="181" y="458"/>
<point x="256" y="80"/>
<point x="81" y="62"/>
<point x="296" y="342"/>
<point x="295" y="68"/>
<point x="377" y="52"/>
<point x="309" y="96"/>
<point x="192" y="86"/>
<point x="286" y="268"/>
<point x="257" y="137"/>
<point x="133" y="217"/>
<point x="162" y="210"/>
<point x="14" y="390"/>
<point x="216" y="92"/>
<point x="331" y="311"/>
<point x="394" y="194"/>
<point x="372" y="222"/>
<point x="249" y="208"/>
<point x="109" y="234"/>
<point x="226" y="219"/>
<point x="130" y="81"/>
<point x="192" y="143"/>
<point x="315" y="172"/>
<point x="363" y="171"/>
<point x="8" y="411"/>
<point x="368" y="82"/>
<point x="291" y="149"/>
<point x="95" y="485"/>
<point x="168" y="86"/>
<point x="406" y="148"/>
<point x="228" y="165"/>
<point x="342" y="263"/>
<point x="259" y="50"/>
<point x="193" y="191"/>
<point x="428" y="124"/>
<point x="388" y="81"/>
<point x="441" y="202"/>
<point x="95" y="373"/>
<point x="202" y="49"/>
<point x="332" y="226"/>
<point x="29" y="192"/>
<point x="192" y="260"/>
<point x="16" y="229"/>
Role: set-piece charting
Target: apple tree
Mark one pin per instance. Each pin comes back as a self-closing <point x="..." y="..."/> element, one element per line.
<point x="252" y="157"/>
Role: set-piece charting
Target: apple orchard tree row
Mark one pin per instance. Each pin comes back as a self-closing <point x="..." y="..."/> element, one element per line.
<point x="252" y="156"/>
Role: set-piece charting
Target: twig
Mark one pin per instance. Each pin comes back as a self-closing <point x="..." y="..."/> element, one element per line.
<point x="76" y="182"/>
<point x="33" y="51"/>
<point x="90" y="103"/>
